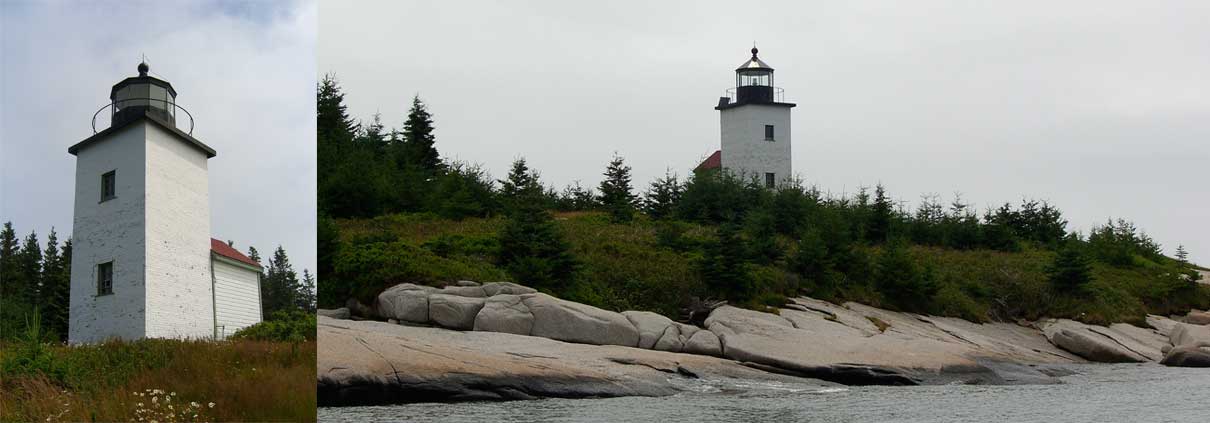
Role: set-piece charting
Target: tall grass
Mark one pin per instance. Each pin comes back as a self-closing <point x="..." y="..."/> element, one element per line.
<point x="112" y="381"/>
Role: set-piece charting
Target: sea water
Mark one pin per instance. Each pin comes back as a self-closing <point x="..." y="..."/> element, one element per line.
<point x="1095" y="393"/>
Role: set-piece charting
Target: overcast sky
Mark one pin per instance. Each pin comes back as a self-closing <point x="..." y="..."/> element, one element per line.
<point x="1101" y="108"/>
<point x="246" y="71"/>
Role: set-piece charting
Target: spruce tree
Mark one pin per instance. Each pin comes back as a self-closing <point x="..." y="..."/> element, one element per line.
<point x="418" y="139"/>
<point x="762" y="237"/>
<point x="29" y="264"/>
<point x="253" y="254"/>
<point x="532" y="248"/>
<point x="56" y="285"/>
<point x="1182" y="256"/>
<point x="811" y="260"/>
<point x="661" y="199"/>
<point x="334" y="135"/>
<point x="879" y="228"/>
<point x="616" y="193"/>
<point x="1070" y="271"/>
<point x="279" y="287"/>
<point x="332" y="122"/>
<point x="10" y="275"/>
<point x="902" y="281"/>
<point x="723" y="267"/>
<point x="305" y="298"/>
<point x="520" y="186"/>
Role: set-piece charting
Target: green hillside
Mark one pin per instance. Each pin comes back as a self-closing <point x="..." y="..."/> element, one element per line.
<point x="628" y="267"/>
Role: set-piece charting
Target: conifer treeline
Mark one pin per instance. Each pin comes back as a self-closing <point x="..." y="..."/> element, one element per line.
<point x="37" y="280"/>
<point x="838" y="243"/>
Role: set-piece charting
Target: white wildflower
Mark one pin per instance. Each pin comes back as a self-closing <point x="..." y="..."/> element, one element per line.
<point x="212" y="405"/>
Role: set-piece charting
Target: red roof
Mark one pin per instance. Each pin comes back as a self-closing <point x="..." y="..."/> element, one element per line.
<point x="715" y="161"/>
<point x="221" y="248"/>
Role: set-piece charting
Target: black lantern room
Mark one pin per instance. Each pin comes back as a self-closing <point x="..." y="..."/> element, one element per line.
<point x="143" y="96"/>
<point x="754" y="81"/>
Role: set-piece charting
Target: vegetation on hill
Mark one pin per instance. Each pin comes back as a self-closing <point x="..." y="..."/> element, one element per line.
<point x="711" y="236"/>
<point x="156" y="380"/>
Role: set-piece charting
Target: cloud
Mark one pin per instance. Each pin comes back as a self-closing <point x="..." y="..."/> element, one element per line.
<point x="246" y="71"/>
<point x="1100" y="107"/>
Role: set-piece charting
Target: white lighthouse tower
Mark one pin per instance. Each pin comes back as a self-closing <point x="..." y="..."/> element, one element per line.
<point x="141" y="247"/>
<point x="755" y="127"/>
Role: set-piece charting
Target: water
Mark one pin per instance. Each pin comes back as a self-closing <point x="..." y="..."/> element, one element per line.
<point x="1097" y="393"/>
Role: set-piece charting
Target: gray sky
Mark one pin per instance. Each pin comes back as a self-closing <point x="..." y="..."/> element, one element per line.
<point x="244" y="70"/>
<point x="1100" y="107"/>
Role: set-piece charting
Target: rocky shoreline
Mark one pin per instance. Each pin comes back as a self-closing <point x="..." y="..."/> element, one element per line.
<point x="503" y="341"/>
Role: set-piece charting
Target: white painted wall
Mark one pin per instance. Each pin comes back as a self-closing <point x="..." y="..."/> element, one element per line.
<point x="105" y="231"/>
<point x="179" y="298"/>
<point x="746" y="153"/>
<point x="236" y="297"/>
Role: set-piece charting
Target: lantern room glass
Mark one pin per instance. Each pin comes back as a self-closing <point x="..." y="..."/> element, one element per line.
<point x="754" y="78"/>
<point x="145" y="95"/>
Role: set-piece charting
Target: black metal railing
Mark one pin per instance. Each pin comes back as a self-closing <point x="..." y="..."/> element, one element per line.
<point x="779" y="94"/>
<point x="116" y="107"/>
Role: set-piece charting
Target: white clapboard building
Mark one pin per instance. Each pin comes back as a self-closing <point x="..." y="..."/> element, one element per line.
<point x="755" y="122"/>
<point x="143" y="262"/>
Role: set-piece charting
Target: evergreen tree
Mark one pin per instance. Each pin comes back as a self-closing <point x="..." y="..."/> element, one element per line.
<point x="465" y="191"/>
<point x="372" y="135"/>
<point x="334" y="135"/>
<point x="662" y="196"/>
<point x="305" y="298"/>
<point x="723" y="267"/>
<point x="532" y="248"/>
<point x="279" y="287"/>
<point x="332" y="122"/>
<point x="29" y="264"/>
<point x="616" y="193"/>
<point x="332" y="293"/>
<point x="879" y="229"/>
<point x="56" y="286"/>
<point x="1070" y="270"/>
<point x="762" y="237"/>
<point x="418" y="139"/>
<point x="577" y="198"/>
<point x="811" y="260"/>
<point x="1182" y="256"/>
<point x="253" y="254"/>
<point x="10" y="274"/>
<point x="521" y="186"/>
<point x="901" y="280"/>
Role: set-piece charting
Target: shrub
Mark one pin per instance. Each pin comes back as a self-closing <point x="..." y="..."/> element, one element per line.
<point x="284" y="325"/>
<point x="365" y="270"/>
<point x="1070" y="271"/>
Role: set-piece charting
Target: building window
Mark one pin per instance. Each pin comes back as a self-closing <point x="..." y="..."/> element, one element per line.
<point x="770" y="181"/>
<point x="768" y="132"/>
<point x="105" y="278"/>
<point x="108" y="186"/>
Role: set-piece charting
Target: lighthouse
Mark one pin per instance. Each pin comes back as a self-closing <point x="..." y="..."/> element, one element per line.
<point x="143" y="262"/>
<point x="755" y="122"/>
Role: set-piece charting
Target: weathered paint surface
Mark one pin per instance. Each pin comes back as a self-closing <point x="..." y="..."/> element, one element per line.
<point x="112" y="230"/>
<point x="237" y="297"/>
<point x="156" y="231"/>
<point x="746" y="152"/>
<point x="178" y="239"/>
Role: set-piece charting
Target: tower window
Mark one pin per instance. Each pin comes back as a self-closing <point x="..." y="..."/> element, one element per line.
<point x="105" y="278"/>
<point x="770" y="180"/>
<point x="108" y="186"/>
<point x="768" y="132"/>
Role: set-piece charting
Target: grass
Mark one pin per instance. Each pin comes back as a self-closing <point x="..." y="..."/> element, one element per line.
<point x="634" y="266"/>
<point x="245" y="380"/>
